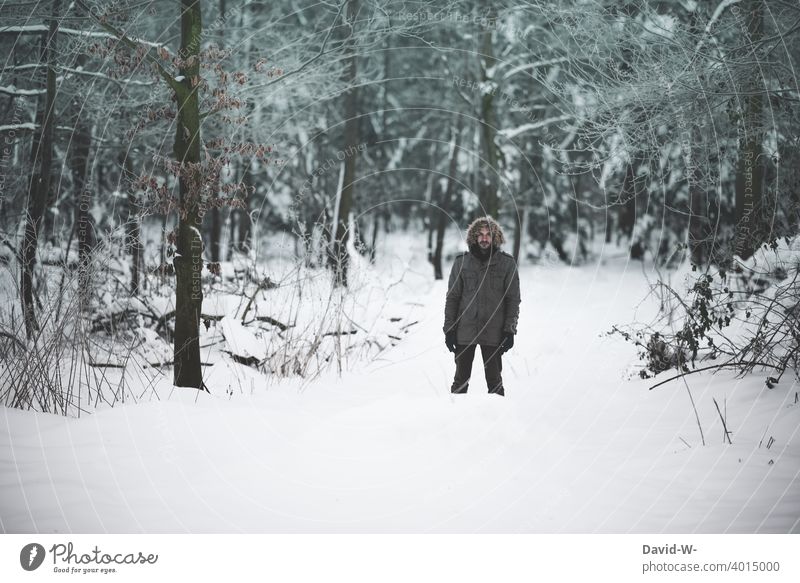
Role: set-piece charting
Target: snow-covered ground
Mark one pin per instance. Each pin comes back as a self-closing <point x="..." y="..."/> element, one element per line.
<point x="575" y="446"/>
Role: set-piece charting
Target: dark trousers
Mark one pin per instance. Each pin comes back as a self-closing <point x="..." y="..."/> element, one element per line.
<point x="492" y="367"/>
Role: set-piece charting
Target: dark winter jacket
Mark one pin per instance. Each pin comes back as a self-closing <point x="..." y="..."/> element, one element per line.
<point x="482" y="298"/>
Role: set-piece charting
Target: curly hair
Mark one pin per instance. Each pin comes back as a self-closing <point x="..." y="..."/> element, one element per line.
<point x="486" y="222"/>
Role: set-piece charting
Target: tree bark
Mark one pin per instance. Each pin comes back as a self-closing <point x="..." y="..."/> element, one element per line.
<point x="81" y="144"/>
<point x="488" y="124"/>
<point x="609" y="225"/>
<point x="627" y="210"/>
<point x="430" y="214"/>
<point x="215" y="233"/>
<point x="375" y="226"/>
<point x="750" y="167"/>
<point x="446" y="204"/>
<point x="232" y="220"/>
<point x="699" y="233"/>
<point x="350" y="150"/>
<point x="245" y="222"/>
<point x="189" y="261"/>
<point x="383" y="153"/>
<point x="133" y="228"/>
<point x="523" y="204"/>
<point x="39" y="186"/>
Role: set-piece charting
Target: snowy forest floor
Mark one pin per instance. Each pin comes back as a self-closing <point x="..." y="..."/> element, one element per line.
<point x="579" y="444"/>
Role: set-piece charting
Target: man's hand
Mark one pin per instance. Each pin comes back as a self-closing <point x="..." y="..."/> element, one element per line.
<point x="450" y="341"/>
<point x="507" y="343"/>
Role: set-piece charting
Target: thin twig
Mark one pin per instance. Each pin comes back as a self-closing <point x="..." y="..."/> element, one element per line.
<point x="696" y="415"/>
<point x="724" y="425"/>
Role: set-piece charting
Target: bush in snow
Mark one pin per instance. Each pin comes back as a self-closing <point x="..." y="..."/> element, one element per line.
<point x="740" y="319"/>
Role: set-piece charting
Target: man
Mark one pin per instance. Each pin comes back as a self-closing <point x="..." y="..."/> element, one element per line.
<point x="482" y="305"/>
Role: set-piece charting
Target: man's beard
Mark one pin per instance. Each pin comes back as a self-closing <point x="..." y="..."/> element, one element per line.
<point x="480" y="252"/>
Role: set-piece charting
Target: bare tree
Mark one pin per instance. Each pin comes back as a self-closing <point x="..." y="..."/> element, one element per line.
<point x="750" y="207"/>
<point x="42" y="160"/>
<point x="445" y="205"/>
<point x="350" y="149"/>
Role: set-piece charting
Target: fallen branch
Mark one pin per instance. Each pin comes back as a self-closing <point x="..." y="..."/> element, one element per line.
<point x="68" y="265"/>
<point x="153" y="364"/>
<point x="273" y="321"/>
<point x="714" y="367"/>
<point x="162" y="321"/>
<point x="108" y="323"/>
<point x="250" y="361"/>
<point x="342" y="333"/>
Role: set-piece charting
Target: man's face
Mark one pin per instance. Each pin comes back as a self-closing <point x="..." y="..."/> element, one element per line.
<point x="484" y="238"/>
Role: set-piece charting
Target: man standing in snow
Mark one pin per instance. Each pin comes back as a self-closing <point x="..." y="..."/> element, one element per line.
<point x="482" y="305"/>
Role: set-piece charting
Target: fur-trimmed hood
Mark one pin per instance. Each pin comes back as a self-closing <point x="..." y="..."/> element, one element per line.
<point x="488" y="222"/>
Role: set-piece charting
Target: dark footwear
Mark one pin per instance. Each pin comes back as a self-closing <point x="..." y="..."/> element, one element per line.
<point x="499" y="391"/>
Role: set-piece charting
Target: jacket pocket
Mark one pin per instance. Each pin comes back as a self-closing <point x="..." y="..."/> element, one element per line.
<point x="496" y="281"/>
<point x="470" y="282"/>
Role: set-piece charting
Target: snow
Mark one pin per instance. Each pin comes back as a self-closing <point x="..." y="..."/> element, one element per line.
<point x="579" y="444"/>
<point x="512" y="133"/>
<point x="12" y="90"/>
<point x="31" y="28"/>
<point x="241" y="341"/>
<point x="41" y="28"/>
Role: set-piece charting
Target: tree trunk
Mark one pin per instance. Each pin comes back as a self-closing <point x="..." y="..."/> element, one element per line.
<point x="245" y="227"/>
<point x="375" y="220"/>
<point x="232" y="220"/>
<point x="163" y="259"/>
<point x="699" y="232"/>
<point x="188" y="261"/>
<point x="430" y="229"/>
<point x="627" y="210"/>
<point x="429" y="219"/>
<point x="133" y="228"/>
<point x="81" y="144"/>
<point x="523" y="204"/>
<point x="241" y="223"/>
<point x="351" y="136"/>
<point x="215" y="234"/>
<point x="750" y="232"/>
<point x="488" y="124"/>
<point x="39" y="186"/>
<point x="444" y="213"/>
<point x="524" y="226"/>
<point x="383" y="153"/>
